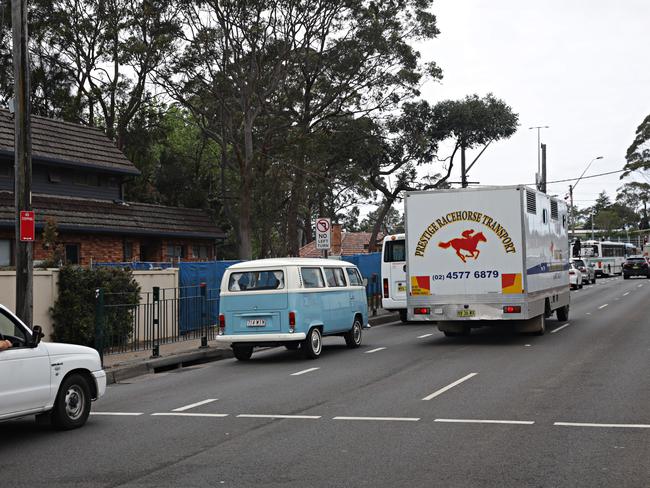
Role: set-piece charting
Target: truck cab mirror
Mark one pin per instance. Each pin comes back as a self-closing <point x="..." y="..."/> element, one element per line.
<point x="37" y="335"/>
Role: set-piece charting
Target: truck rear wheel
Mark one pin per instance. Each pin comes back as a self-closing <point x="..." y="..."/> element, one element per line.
<point x="402" y="316"/>
<point x="542" y="326"/>
<point x="562" y="313"/>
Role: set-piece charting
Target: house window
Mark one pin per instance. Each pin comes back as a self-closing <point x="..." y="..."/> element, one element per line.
<point x="200" y="251"/>
<point x="128" y="250"/>
<point x="175" y="251"/>
<point x="72" y="253"/>
<point x="5" y="252"/>
<point x="54" y="176"/>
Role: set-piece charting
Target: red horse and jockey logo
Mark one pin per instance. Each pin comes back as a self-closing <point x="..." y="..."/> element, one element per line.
<point x="468" y="243"/>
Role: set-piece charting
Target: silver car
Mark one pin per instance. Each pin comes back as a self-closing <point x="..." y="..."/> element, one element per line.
<point x="588" y="272"/>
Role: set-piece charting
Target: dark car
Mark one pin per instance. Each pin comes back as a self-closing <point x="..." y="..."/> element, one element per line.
<point x="636" y="266"/>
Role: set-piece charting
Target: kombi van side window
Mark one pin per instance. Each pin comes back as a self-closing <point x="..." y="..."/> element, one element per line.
<point x="334" y="277"/>
<point x="312" y="278"/>
<point x="256" y="280"/>
<point x="355" y="278"/>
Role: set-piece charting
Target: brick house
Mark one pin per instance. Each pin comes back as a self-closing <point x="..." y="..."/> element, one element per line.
<point x="343" y="244"/>
<point x="78" y="178"/>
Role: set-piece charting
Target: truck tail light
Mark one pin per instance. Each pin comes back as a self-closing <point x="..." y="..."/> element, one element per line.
<point x="222" y="324"/>
<point x="422" y="311"/>
<point x="512" y="309"/>
<point x="292" y="321"/>
<point x="385" y="287"/>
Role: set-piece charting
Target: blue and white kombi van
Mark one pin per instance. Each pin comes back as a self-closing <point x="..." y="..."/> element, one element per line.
<point x="292" y="302"/>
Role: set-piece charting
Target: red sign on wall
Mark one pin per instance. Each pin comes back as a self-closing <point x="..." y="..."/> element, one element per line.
<point x="27" y="231"/>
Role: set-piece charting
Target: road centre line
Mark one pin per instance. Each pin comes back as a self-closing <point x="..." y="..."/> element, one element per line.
<point x="264" y="416"/>
<point x="626" y="293"/>
<point x="560" y="328"/>
<point x="197" y="404"/>
<point x="471" y="421"/>
<point x="188" y="414"/>
<point x="385" y="419"/>
<point x="603" y="306"/>
<point x="389" y="323"/>
<point x="640" y="286"/>
<point x="375" y="350"/>
<point x="448" y="387"/>
<point x="118" y="414"/>
<point x="304" y="371"/>
<point x="425" y="335"/>
<point x="624" y="426"/>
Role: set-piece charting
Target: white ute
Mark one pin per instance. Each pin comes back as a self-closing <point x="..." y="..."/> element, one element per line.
<point x="46" y="379"/>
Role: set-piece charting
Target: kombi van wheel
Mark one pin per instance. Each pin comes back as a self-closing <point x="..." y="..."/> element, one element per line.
<point x="242" y="353"/>
<point x="313" y="345"/>
<point x="72" y="405"/>
<point x="353" y="336"/>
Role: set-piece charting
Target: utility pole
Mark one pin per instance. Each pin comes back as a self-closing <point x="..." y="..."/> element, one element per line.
<point x="571" y="217"/>
<point x="22" y="159"/>
<point x="543" y="180"/>
<point x="463" y="171"/>
<point x="539" y="128"/>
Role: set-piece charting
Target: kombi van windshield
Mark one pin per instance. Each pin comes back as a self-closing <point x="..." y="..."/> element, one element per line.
<point x="256" y="280"/>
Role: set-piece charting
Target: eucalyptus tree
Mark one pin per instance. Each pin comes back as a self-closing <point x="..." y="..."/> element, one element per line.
<point x="638" y="154"/>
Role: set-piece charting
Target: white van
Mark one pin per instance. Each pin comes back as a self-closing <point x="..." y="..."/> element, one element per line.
<point x="393" y="274"/>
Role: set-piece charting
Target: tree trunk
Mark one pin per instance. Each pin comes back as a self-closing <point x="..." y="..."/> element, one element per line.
<point x="245" y="234"/>
<point x="372" y="245"/>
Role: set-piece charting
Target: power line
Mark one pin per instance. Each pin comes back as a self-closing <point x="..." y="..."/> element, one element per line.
<point x="584" y="177"/>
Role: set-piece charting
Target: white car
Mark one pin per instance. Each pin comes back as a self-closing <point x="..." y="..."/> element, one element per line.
<point x="575" y="277"/>
<point x="46" y="379"/>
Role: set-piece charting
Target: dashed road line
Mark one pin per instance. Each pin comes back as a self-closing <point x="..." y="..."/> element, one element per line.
<point x="560" y="328"/>
<point x="118" y="414"/>
<point x="192" y="405"/>
<point x="425" y="335"/>
<point x="626" y="293"/>
<point x="375" y="350"/>
<point x="623" y="426"/>
<point x="189" y="414"/>
<point x="475" y="421"/>
<point x="389" y="323"/>
<point x="276" y="416"/>
<point x="603" y="306"/>
<point x="304" y="371"/>
<point x="449" y="387"/>
<point x="639" y="286"/>
<point x="381" y="419"/>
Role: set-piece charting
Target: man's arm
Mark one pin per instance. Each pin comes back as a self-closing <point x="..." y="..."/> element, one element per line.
<point x="5" y="345"/>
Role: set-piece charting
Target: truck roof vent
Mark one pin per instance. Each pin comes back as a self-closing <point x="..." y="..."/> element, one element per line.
<point x="554" y="214"/>
<point x="531" y="202"/>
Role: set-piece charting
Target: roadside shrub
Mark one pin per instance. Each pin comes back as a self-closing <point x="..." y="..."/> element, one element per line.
<point x="74" y="310"/>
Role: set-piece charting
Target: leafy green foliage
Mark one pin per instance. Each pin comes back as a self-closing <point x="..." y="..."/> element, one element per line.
<point x="638" y="154"/>
<point x="73" y="313"/>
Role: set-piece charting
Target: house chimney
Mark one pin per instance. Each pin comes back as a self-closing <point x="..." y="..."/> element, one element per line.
<point x="336" y="240"/>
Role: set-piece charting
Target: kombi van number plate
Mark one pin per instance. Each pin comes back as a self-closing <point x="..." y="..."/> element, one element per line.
<point x="466" y="313"/>
<point x="256" y="323"/>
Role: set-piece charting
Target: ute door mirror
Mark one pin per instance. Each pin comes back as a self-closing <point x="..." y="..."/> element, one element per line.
<point x="37" y="335"/>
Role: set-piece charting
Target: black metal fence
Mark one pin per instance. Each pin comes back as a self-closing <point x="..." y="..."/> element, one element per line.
<point x="161" y="316"/>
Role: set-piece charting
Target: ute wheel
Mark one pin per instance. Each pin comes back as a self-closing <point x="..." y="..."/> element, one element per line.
<point x="72" y="405"/>
<point x="562" y="313"/>
<point x="242" y="353"/>
<point x="292" y="346"/>
<point x="313" y="344"/>
<point x="402" y="316"/>
<point x="353" y="336"/>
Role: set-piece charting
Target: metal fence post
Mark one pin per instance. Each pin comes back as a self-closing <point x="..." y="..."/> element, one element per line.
<point x="99" y="323"/>
<point x="375" y="282"/>
<point x="204" y="325"/>
<point x="155" y="313"/>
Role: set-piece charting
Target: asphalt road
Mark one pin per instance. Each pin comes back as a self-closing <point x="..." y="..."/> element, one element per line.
<point x="409" y="408"/>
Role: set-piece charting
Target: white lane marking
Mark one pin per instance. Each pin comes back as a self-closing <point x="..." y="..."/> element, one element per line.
<point x="588" y="313"/>
<point x="197" y="404"/>
<point x="640" y="286"/>
<point x="471" y="421"/>
<point x="304" y="371"/>
<point x="626" y="293"/>
<point x="425" y="335"/>
<point x="119" y="414"/>
<point x="264" y="416"/>
<point x="188" y="414"/>
<point x="375" y="350"/>
<point x="625" y="426"/>
<point x="389" y="323"/>
<point x="448" y="387"/>
<point x="385" y="419"/>
<point x="603" y="306"/>
<point x="560" y="328"/>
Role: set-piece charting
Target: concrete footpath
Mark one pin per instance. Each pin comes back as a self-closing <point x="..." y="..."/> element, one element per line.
<point x="120" y="367"/>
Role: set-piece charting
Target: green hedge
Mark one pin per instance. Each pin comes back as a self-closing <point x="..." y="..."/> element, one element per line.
<point x="74" y="311"/>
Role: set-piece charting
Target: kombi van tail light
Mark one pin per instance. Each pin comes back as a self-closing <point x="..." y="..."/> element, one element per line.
<point x="222" y="324"/>
<point x="385" y="287"/>
<point x="292" y="321"/>
<point x="512" y="309"/>
<point x="422" y="311"/>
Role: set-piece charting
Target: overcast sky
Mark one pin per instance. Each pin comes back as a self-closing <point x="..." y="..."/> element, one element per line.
<point x="580" y="67"/>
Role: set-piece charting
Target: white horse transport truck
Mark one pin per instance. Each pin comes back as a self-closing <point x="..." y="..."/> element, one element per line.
<point x="486" y="256"/>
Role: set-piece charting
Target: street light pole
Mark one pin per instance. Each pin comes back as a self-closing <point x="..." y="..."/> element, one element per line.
<point x="573" y="187"/>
